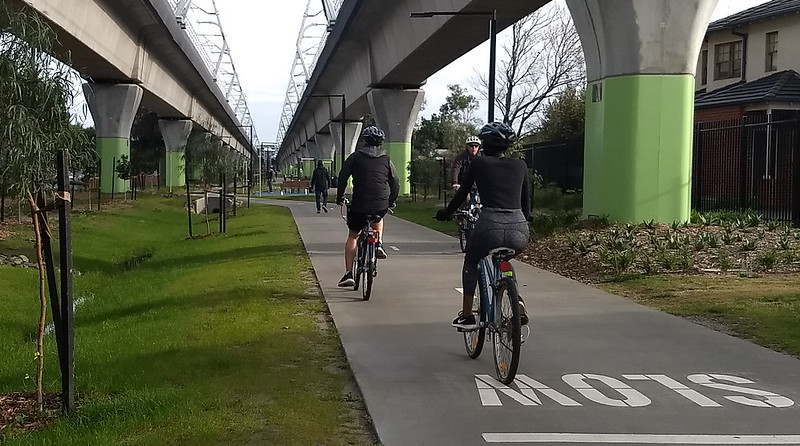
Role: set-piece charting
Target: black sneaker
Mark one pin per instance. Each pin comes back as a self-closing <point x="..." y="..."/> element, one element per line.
<point x="347" y="280"/>
<point x="523" y="315"/>
<point x="325" y="209"/>
<point x="317" y="211"/>
<point x="380" y="253"/>
<point x="465" y="322"/>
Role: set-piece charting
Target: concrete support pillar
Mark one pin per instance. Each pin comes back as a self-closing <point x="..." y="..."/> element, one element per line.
<point x="395" y="112"/>
<point x="641" y="57"/>
<point x="352" y="130"/>
<point x="175" y="134"/>
<point x="309" y="154"/>
<point x="113" y="107"/>
<point x="325" y="147"/>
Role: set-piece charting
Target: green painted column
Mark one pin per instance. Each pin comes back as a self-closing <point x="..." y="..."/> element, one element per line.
<point x="175" y="133"/>
<point x="641" y="56"/>
<point x="110" y="151"/>
<point x="113" y="108"/>
<point x="175" y="166"/>
<point x="395" y="112"/>
<point x="400" y="154"/>
<point x="638" y="153"/>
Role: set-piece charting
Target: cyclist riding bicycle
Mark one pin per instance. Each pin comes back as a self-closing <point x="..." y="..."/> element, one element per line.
<point x="372" y="171"/>
<point x="463" y="159"/>
<point x="506" y="200"/>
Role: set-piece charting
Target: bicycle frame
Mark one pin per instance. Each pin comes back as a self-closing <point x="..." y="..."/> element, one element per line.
<point x="487" y="272"/>
<point x="490" y="270"/>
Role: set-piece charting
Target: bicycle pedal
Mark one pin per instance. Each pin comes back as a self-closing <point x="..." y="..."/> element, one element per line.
<point x="525" y="333"/>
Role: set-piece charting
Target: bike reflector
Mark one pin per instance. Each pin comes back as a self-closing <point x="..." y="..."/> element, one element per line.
<point x="505" y="267"/>
<point x="373" y="238"/>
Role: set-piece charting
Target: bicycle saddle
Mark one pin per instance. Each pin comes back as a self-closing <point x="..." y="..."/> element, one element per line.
<point x="503" y="253"/>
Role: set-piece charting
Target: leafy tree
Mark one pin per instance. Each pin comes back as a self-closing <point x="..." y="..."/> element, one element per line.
<point x="147" y="143"/>
<point x="564" y="117"/>
<point x="543" y="58"/>
<point x="442" y="136"/>
<point x="35" y="98"/>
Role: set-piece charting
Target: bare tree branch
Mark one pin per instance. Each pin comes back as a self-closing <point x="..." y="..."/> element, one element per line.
<point x="543" y="58"/>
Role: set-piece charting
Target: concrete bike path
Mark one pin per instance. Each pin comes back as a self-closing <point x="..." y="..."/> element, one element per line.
<point x="596" y="369"/>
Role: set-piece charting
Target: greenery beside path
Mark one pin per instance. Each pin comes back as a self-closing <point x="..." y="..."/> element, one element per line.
<point x="218" y="340"/>
<point x="728" y="272"/>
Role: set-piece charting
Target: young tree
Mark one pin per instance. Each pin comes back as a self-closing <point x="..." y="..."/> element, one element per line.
<point x="123" y="171"/>
<point x="35" y="96"/>
<point x="543" y="58"/>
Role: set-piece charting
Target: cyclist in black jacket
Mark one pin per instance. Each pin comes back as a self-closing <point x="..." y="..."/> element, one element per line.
<point x="372" y="171"/>
<point x="506" y="200"/>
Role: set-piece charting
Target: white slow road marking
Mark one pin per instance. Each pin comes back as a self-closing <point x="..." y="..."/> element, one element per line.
<point x="395" y="248"/>
<point x="460" y="290"/>
<point x="638" y="438"/>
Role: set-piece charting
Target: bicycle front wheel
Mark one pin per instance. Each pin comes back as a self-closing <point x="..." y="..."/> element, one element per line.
<point x="506" y="335"/>
<point x="473" y="340"/>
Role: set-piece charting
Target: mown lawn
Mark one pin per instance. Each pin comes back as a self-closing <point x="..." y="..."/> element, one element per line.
<point x="764" y="309"/>
<point x="216" y="340"/>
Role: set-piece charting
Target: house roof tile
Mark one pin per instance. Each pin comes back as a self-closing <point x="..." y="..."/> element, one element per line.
<point x="783" y="86"/>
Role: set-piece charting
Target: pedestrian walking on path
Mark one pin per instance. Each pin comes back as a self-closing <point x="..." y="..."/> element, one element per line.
<point x="320" y="182"/>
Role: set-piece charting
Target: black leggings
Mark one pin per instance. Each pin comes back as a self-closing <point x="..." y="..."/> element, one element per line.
<point x="496" y="228"/>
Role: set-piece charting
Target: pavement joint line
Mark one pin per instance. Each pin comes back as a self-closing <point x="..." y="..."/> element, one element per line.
<point x="685" y="439"/>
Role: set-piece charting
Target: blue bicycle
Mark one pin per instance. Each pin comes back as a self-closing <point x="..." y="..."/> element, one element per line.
<point x="499" y="310"/>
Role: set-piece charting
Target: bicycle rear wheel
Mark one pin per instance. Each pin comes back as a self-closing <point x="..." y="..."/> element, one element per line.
<point x="358" y="265"/>
<point x="368" y="275"/>
<point x="506" y="334"/>
<point x="474" y="339"/>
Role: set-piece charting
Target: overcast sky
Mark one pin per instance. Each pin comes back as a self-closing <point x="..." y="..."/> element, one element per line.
<point x="262" y="36"/>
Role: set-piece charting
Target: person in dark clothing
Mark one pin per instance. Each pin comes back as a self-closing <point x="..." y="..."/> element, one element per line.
<point x="375" y="189"/>
<point x="506" y="200"/>
<point x="320" y="182"/>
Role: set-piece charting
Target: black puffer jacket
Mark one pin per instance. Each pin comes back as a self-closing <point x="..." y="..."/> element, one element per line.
<point x="320" y="179"/>
<point x="375" y="181"/>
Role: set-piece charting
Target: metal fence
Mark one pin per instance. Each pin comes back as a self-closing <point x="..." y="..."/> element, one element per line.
<point x="558" y="162"/>
<point x="748" y="163"/>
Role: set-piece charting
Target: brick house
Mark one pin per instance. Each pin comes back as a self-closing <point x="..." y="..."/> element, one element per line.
<point x="747" y="110"/>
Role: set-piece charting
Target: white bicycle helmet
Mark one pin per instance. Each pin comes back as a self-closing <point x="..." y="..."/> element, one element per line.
<point x="473" y="140"/>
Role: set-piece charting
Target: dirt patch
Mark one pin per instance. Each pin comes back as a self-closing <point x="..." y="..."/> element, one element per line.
<point x="19" y="414"/>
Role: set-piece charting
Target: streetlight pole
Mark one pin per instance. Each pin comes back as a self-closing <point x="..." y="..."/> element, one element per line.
<point x="492" y="45"/>
<point x="344" y="119"/>
<point x="249" y="176"/>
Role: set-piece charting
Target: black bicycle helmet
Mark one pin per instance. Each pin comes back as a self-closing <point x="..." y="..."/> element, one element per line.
<point x="373" y="136"/>
<point x="497" y="135"/>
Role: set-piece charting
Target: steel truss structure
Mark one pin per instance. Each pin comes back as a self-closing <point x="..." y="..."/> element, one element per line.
<point x="318" y="20"/>
<point x="201" y="21"/>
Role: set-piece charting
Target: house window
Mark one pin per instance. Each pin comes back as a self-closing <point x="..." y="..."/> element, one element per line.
<point x="704" y="67"/>
<point x="728" y="60"/>
<point x="772" y="52"/>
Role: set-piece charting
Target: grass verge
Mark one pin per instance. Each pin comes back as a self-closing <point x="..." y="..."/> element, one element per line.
<point x="217" y="340"/>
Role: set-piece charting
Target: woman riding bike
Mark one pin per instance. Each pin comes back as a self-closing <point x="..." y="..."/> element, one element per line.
<point x="506" y="201"/>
